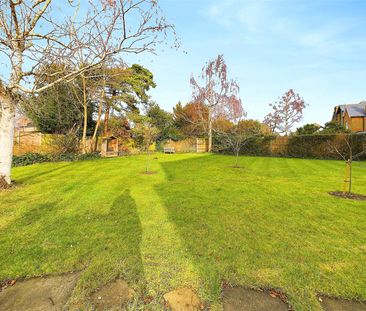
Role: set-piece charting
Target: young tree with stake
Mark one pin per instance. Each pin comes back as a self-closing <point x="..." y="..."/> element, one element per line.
<point x="32" y="34"/>
<point x="146" y="133"/>
<point x="348" y="155"/>
<point x="233" y="130"/>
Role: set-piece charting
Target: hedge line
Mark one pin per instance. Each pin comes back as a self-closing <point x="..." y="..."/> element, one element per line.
<point x="324" y="146"/>
<point x="33" y="158"/>
<point x="303" y="146"/>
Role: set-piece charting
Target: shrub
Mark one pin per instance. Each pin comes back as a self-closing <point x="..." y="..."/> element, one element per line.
<point x="322" y="146"/>
<point x="33" y="158"/>
<point x="310" y="146"/>
<point x="66" y="144"/>
<point x="318" y="146"/>
<point x="254" y="146"/>
<point x="258" y="146"/>
<point x="88" y="156"/>
<point x="30" y="158"/>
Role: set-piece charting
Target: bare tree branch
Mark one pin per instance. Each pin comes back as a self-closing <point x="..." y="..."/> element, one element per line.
<point x="35" y="33"/>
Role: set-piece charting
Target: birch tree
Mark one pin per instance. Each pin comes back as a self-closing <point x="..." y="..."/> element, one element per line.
<point x="39" y="32"/>
<point x="213" y="88"/>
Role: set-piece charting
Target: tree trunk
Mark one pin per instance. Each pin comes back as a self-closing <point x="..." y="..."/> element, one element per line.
<point x="148" y="160"/>
<point x="7" y="124"/>
<point x="210" y="134"/>
<point x="85" y="106"/>
<point x="348" y="178"/>
<point x="100" y="110"/>
<point x="106" y="119"/>
<point x="7" y="117"/>
<point x="94" y="141"/>
<point x="237" y="158"/>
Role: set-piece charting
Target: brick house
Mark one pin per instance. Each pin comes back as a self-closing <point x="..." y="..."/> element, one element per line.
<point x="352" y="117"/>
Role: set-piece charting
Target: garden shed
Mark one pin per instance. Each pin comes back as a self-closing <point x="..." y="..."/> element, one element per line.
<point x="110" y="146"/>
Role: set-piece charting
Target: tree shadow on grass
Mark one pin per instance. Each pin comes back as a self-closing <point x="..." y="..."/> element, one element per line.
<point x="51" y="239"/>
<point x="194" y="198"/>
<point x="42" y="170"/>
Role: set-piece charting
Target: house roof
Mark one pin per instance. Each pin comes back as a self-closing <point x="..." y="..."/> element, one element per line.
<point x="355" y="110"/>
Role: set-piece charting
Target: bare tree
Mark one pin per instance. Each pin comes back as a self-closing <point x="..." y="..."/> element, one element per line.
<point x="233" y="130"/>
<point x="101" y="99"/>
<point x="35" y="33"/>
<point x="147" y="133"/>
<point x="213" y="88"/>
<point x="285" y="113"/>
<point x="348" y="155"/>
<point x="88" y="91"/>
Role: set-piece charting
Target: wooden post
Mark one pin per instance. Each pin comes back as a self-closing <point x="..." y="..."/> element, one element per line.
<point x="347" y="178"/>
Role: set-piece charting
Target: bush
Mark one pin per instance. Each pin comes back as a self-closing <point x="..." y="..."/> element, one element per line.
<point x="258" y="146"/>
<point x="69" y="157"/>
<point x="317" y="146"/>
<point x="322" y="146"/>
<point x="33" y="158"/>
<point x="255" y="146"/>
<point x="310" y="146"/>
<point x="66" y="144"/>
<point x="30" y="158"/>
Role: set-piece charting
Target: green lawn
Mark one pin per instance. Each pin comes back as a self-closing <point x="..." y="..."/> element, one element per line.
<point x="197" y="222"/>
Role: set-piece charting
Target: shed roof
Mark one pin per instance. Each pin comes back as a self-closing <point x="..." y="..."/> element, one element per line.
<point x="110" y="137"/>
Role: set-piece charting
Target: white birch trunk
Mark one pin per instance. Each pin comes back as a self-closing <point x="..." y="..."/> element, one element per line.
<point x="85" y="106"/>
<point x="7" y="123"/>
<point x="209" y="130"/>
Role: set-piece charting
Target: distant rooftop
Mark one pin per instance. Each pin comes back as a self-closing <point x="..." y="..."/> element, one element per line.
<point x="355" y="110"/>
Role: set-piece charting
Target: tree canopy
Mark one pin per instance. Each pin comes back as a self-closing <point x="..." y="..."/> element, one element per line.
<point x="163" y="121"/>
<point x="285" y="113"/>
<point x="308" y="129"/>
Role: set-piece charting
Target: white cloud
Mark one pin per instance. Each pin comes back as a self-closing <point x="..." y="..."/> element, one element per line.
<point x="246" y="14"/>
<point x="278" y="23"/>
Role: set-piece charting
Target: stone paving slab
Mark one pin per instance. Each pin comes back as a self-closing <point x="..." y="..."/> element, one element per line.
<point x="38" y="294"/>
<point x="245" y="299"/>
<point x="334" y="304"/>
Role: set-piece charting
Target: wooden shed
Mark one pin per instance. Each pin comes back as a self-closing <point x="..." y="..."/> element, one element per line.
<point x="110" y="146"/>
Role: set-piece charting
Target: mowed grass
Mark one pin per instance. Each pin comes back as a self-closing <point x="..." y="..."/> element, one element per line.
<point x="197" y="222"/>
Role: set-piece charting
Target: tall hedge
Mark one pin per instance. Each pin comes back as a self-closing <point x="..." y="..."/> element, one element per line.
<point x="258" y="146"/>
<point x="319" y="146"/>
<point x="324" y="146"/>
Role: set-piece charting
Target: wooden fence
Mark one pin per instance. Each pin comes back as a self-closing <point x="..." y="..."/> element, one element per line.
<point x="307" y="146"/>
<point x="38" y="142"/>
<point x="188" y="145"/>
<point x="32" y="142"/>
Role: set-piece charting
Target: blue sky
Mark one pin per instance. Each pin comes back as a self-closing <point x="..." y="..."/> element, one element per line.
<point x="318" y="48"/>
